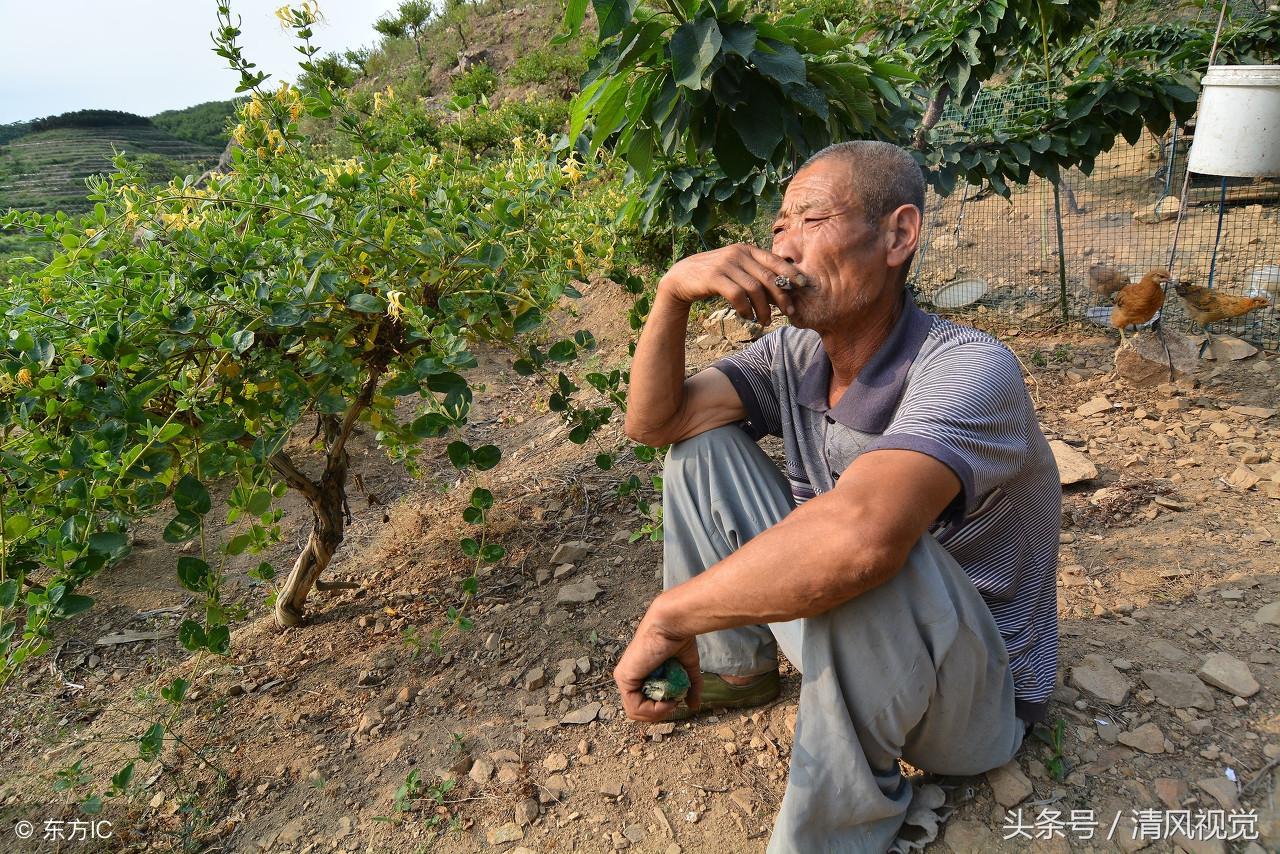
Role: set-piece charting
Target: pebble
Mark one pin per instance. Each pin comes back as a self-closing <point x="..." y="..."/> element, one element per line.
<point x="570" y="552"/>
<point x="509" y="832"/>
<point x="1148" y="738"/>
<point x="481" y="771"/>
<point x="1009" y="785"/>
<point x="555" y="762"/>
<point x="578" y="593"/>
<point x="1225" y="671"/>
<point x="527" y="811"/>
<point x="1179" y="690"/>
<point x="584" y="715"/>
<point x="1095" y="675"/>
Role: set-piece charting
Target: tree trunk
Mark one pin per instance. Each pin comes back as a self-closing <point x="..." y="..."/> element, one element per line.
<point x="328" y="511"/>
<point x="932" y="114"/>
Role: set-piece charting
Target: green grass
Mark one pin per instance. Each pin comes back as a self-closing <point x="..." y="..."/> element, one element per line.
<point x="46" y="171"/>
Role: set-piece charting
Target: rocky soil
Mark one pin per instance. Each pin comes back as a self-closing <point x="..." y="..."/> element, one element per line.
<point x="354" y="734"/>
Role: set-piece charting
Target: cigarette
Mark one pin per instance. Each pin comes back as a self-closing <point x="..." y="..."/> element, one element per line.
<point x="786" y="283"/>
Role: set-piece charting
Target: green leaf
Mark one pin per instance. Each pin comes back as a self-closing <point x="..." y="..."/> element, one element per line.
<point x="486" y="457"/>
<point x="492" y="553"/>
<point x="482" y="499"/>
<point x="761" y="127"/>
<point x="175" y="691"/>
<point x="191" y="635"/>
<point x="193" y="573"/>
<point x="470" y="547"/>
<point x="524" y="367"/>
<point x="459" y="454"/>
<point x="16" y="526"/>
<point x="574" y="12"/>
<point x="153" y="739"/>
<point x="182" y="527"/>
<point x="613" y="16"/>
<point x="191" y="496"/>
<point x="367" y="303"/>
<point x="108" y="543"/>
<point x="779" y="61"/>
<point x="470" y="585"/>
<point x="73" y="603"/>
<point x="604" y="461"/>
<point x="472" y="515"/>
<point x="527" y="321"/>
<point x="219" y="640"/>
<point x="237" y="544"/>
<point x="242" y="340"/>
<point x="562" y="351"/>
<point x="169" y="432"/>
<point x="693" y="47"/>
<point x="8" y="593"/>
<point x="258" y="502"/>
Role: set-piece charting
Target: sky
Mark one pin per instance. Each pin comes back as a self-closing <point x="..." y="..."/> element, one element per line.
<point x="145" y="56"/>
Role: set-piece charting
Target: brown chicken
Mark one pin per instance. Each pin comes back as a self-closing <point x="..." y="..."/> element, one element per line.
<point x="1105" y="281"/>
<point x="1139" y="302"/>
<point x="1205" y="306"/>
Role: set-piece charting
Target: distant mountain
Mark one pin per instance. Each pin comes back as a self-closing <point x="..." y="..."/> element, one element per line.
<point x="205" y="123"/>
<point x="45" y="170"/>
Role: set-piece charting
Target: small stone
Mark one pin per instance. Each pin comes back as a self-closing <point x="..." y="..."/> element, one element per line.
<point x="1243" y="479"/>
<point x="555" y="762"/>
<point x="1199" y="727"/>
<point x="500" y="757"/>
<point x="535" y="678"/>
<point x="509" y="832"/>
<point x="1073" y="466"/>
<point x="1094" y="407"/>
<point x="1009" y="785"/>
<point x="1259" y="412"/>
<point x="491" y="642"/>
<point x="1148" y="738"/>
<point x="1225" y="348"/>
<point x="1221" y="790"/>
<point x="743" y="799"/>
<point x="578" y="593"/>
<point x="570" y="552"/>
<point x="1171" y="792"/>
<point x="406" y="695"/>
<point x="584" y="715"/>
<point x="481" y="771"/>
<point x="527" y="811"/>
<point x="1225" y="671"/>
<point x="509" y="774"/>
<point x="1178" y="690"/>
<point x="611" y="788"/>
<point x="635" y="833"/>
<point x="1095" y="675"/>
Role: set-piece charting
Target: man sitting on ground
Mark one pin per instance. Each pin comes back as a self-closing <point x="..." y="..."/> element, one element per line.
<point x="906" y="562"/>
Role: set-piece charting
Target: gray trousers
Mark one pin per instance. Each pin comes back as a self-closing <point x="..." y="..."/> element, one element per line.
<point x="914" y="668"/>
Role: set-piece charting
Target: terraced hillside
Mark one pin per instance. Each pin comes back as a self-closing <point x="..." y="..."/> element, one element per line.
<point x="45" y="171"/>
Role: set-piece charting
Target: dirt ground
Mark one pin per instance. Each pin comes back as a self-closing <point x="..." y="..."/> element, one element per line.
<point x="352" y="734"/>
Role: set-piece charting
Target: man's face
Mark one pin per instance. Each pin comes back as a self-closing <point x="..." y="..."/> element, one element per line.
<point x="822" y="230"/>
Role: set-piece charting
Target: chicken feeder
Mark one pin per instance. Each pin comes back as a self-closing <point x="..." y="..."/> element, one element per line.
<point x="1238" y="126"/>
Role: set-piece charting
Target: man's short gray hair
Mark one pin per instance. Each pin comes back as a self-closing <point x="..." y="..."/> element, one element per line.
<point x="883" y="176"/>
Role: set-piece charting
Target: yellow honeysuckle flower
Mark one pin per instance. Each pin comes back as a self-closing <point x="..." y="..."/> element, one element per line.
<point x="24" y="377"/>
<point x="572" y="169"/>
<point x="518" y="143"/>
<point x="394" y="305"/>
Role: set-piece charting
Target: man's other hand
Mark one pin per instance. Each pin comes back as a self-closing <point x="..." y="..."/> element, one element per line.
<point x="652" y="645"/>
<point x="743" y="274"/>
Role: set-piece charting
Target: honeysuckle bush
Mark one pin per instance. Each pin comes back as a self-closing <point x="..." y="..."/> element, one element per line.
<point x="183" y="333"/>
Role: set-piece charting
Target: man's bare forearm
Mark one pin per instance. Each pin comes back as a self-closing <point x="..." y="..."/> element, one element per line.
<point x="810" y="562"/>
<point x="656" y="390"/>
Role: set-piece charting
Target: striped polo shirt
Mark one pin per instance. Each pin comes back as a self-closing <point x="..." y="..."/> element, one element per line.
<point x="957" y="395"/>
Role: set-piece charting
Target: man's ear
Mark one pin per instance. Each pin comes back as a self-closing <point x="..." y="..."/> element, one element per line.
<point x="901" y="234"/>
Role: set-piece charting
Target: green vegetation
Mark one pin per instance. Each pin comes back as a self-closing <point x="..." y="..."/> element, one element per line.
<point x="46" y="170"/>
<point x="13" y="130"/>
<point x="475" y="83"/>
<point x="90" y="119"/>
<point x="204" y="124"/>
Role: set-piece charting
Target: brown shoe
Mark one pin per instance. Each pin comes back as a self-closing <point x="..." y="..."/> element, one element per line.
<point x="719" y="694"/>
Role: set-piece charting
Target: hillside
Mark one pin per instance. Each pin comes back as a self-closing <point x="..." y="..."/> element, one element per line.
<point x="203" y="124"/>
<point x="45" y="170"/>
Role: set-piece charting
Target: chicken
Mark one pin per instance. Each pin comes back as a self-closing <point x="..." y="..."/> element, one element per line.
<point x="1139" y="302"/>
<point x="1205" y="306"/>
<point x="1105" y="281"/>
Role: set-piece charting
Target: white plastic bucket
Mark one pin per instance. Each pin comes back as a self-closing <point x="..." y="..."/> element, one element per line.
<point x="1238" y="125"/>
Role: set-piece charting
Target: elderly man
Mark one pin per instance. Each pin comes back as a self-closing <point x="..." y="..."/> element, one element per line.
<point x="906" y="562"/>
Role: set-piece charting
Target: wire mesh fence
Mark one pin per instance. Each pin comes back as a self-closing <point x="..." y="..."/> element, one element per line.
<point x="997" y="258"/>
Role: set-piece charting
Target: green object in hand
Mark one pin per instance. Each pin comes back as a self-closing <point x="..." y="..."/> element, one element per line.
<point x="669" y="682"/>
